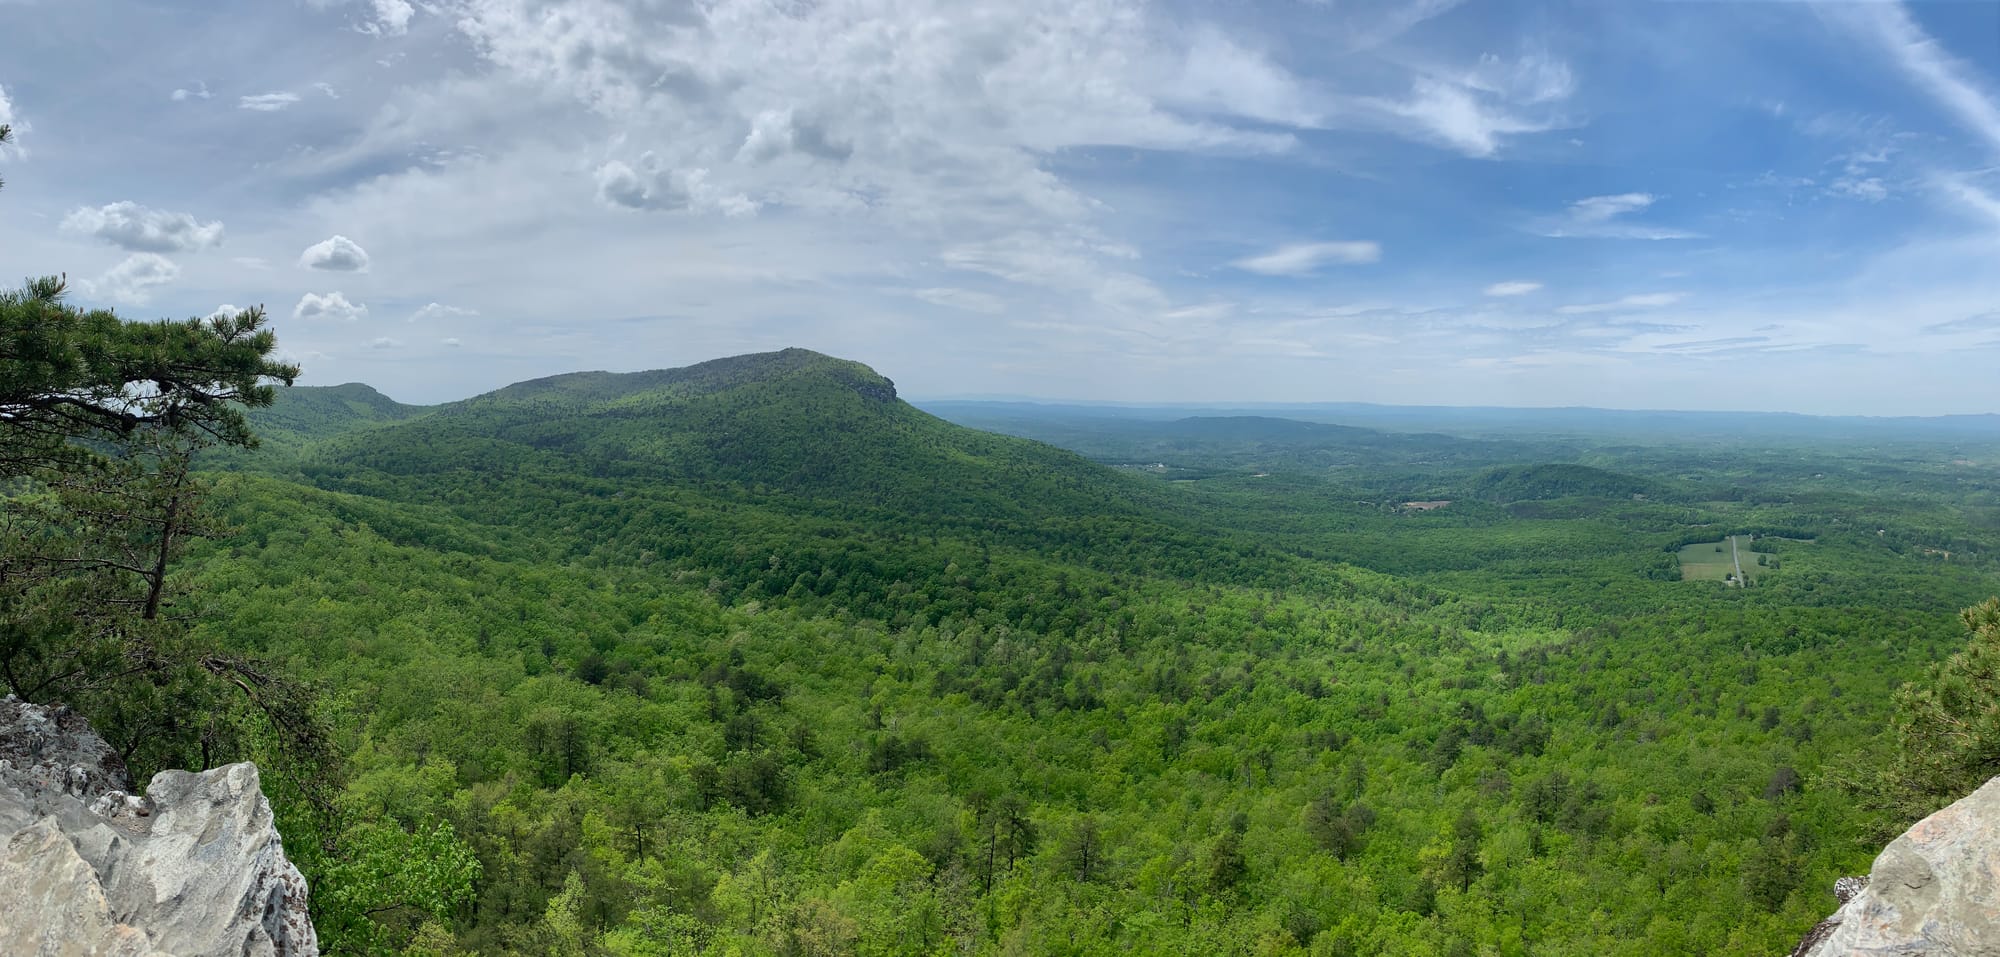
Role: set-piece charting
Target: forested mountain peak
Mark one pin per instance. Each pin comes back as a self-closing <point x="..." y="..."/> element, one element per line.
<point x="794" y="420"/>
<point x="702" y="378"/>
<point x="304" y="414"/>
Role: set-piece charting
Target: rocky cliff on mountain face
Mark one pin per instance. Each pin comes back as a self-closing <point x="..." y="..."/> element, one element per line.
<point x="193" y="868"/>
<point x="1934" y="892"/>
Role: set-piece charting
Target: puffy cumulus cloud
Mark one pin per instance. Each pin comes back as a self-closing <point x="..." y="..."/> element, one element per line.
<point x="266" y="102"/>
<point x="335" y="254"/>
<point x="775" y="134"/>
<point x="653" y="187"/>
<point x="1513" y="287"/>
<point x="198" y="92"/>
<point x="1651" y="300"/>
<point x="133" y="280"/>
<point x="225" y="311"/>
<point x="438" y="310"/>
<point x="390" y="18"/>
<point x="1300" y="259"/>
<point x="137" y="228"/>
<point x="1609" y="217"/>
<point x="332" y="306"/>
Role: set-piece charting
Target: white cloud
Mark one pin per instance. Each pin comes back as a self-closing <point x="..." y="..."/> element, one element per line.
<point x="1473" y="111"/>
<point x="328" y="90"/>
<point x="392" y="18"/>
<point x="1300" y="259"/>
<point x="137" y="228"/>
<point x="200" y="92"/>
<point x="1651" y="300"/>
<point x="267" y="102"/>
<point x="1969" y="198"/>
<point x="332" y="306"/>
<point x="654" y="187"/>
<point x="335" y="254"/>
<point x="1604" y="217"/>
<point x="779" y="133"/>
<point x="133" y="280"/>
<point x="225" y="311"/>
<point x="1460" y="117"/>
<point x="452" y="342"/>
<point x="1513" y="287"/>
<point x="965" y="299"/>
<point x="384" y="342"/>
<point x="438" y="310"/>
<point x="1599" y="209"/>
<point x="1867" y="188"/>
<point x="8" y="117"/>
<point x="1949" y="80"/>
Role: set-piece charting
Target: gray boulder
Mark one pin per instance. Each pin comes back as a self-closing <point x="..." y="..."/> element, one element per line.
<point x="1934" y="892"/>
<point x="194" y="868"/>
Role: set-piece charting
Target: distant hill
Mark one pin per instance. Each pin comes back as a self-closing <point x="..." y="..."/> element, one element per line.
<point x="1532" y="424"/>
<point x="304" y="414"/>
<point x="1519" y="483"/>
<point x="793" y="421"/>
<point x="1215" y="443"/>
<point x="1265" y="429"/>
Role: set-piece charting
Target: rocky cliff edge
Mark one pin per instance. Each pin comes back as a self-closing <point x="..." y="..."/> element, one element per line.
<point x="193" y="868"/>
<point x="1934" y="892"/>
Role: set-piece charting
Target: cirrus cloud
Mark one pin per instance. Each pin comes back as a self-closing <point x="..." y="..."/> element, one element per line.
<point x="1299" y="259"/>
<point x="1651" y="300"/>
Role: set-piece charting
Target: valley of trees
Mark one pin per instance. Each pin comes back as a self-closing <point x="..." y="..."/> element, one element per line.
<point x="755" y="658"/>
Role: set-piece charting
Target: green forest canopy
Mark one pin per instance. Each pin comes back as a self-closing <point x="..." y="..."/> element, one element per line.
<point x="755" y="658"/>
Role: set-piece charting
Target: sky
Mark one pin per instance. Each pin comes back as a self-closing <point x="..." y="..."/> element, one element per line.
<point x="1684" y="205"/>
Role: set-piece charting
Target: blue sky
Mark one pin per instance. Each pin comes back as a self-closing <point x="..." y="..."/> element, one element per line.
<point x="1703" y="205"/>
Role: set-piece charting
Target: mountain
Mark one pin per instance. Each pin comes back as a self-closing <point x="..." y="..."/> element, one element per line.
<point x="794" y="421"/>
<point x="304" y="414"/>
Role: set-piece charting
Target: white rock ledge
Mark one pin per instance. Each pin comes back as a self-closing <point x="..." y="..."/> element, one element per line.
<point x="195" y="868"/>
<point x="1933" y="892"/>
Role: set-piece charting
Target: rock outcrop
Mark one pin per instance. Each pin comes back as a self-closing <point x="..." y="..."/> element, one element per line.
<point x="194" y="868"/>
<point x="1935" y="891"/>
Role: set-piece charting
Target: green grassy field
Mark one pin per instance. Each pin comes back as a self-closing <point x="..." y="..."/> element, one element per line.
<point x="1711" y="561"/>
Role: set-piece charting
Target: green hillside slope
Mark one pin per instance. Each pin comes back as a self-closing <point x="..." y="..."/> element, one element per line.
<point x="752" y="658"/>
<point x="306" y="414"/>
<point x="794" y="421"/>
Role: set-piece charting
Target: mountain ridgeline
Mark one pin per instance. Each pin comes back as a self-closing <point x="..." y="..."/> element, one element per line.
<point x="793" y="421"/>
<point x="753" y="657"/>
